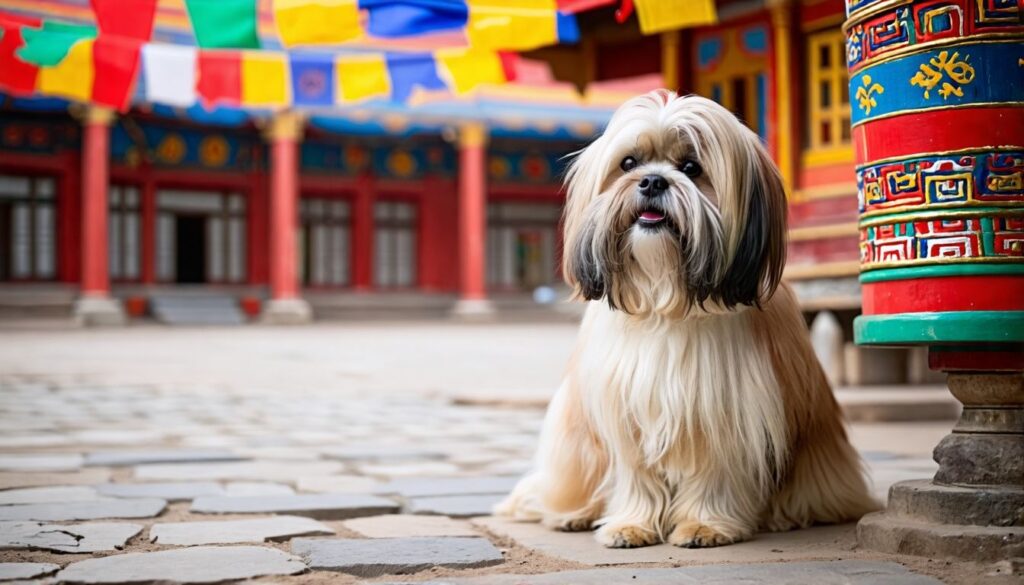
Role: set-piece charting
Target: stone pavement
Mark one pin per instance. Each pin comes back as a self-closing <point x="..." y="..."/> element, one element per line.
<point x="115" y="483"/>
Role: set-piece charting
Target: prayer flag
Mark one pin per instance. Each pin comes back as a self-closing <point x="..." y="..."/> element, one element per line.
<point x="466" y="69"/>
<point x="72" y="78"/>
<point x="115" y="65"/>
<point x="405" y="18"/>
<point x="317" y="22"/>
<point x="411" y="70"/>
<point x="170" y="72"/>
<point x="134" y="21"/>
<point x="661" y="15"/>
<point x="313" y="79"/>
<point x="264" y="79"/>
<point x="48" y="45"/>
<point x="16" y="76"/>
<point x="361" y="77"/>
<point x="219" y="77"/>
<point x="224" y="24"/>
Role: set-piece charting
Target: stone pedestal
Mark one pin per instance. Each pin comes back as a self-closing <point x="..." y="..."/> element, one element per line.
<point x="286" y="312"/>
<point x="99" y="312"/>
<point x="973" y="508"/>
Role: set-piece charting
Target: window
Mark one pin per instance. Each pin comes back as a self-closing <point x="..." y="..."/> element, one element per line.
<point x="123" y="233"/>
<point x="324" y="242"/>
<point x="28" y="238"/>
<point x="521" y="244"/>
<point x="828" y="97"/>
<point x="394" y="244"/>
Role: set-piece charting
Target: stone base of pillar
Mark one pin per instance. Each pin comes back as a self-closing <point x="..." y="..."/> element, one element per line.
<point x="286" y="312"/>
<point x="473" y="310"/>
<point x="974" y="507"/>
<point x="99" y="312"/>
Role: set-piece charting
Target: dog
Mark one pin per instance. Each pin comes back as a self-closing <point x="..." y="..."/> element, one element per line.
<point x="694" y="410"/>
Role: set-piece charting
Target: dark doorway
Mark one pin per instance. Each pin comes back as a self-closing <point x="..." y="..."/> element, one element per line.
<point x="5" y="241"/>
<point x="190" y="248"/>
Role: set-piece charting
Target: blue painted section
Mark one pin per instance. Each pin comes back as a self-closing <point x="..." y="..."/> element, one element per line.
<point x="568" y="28"/>
<point x="238" y="153"/>
<point x="312" y="78"/>
<point x="411" y="70"/>
<point x="755" y="39"/>
<point x="708" y="52"/>
<point x="39" y="104"/>
<point x="220" y="116"/>
<point x="997" y="78"/>
<point x="404" y="18"/>
<point x="762" y="106"/>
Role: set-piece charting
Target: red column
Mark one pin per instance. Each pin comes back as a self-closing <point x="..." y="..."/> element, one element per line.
<point x="472" y="221"/>
<point x="362" y="234"/>
<point x="95" y="180"/>
<point x="285" y="306"/>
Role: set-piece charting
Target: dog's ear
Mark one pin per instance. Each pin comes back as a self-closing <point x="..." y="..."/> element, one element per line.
<point x="581" y="266"/>
<point x="583" y="271"/>
<point x="756" y="268"/>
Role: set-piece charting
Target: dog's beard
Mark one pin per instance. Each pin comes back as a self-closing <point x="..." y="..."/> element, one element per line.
<point x="663" y="268"/>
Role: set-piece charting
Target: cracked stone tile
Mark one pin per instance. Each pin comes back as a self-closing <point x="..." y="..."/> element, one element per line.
<point x="382" y="556"/>
<point x="454" y="506"/>
<point x="48" y="495"/>
<point x="239" y="470"/>
<point x="380" y="453"/>
<point x="339" y="484"/>
<point x="426" y="468"/>
<point x="128" y="458"/>
<point x="93" y="510"/>
<point x="237" y="531"/>
<point x="257" y="488"/>
<point x="9" y="571"/>
<point x="172" y="492"/>
<point x="14" y="479"/>
<point x="320" y="506"/>
<point x="415" y="487"/>
<point x="406" y="525"/>
<point x="75" y="538"/>
<point x="41" y="462"/>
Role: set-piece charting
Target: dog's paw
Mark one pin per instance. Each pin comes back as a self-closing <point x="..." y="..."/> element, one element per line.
<point x="626" y="536"/>
<point x="697" y="535"/>
<point x="569" y="523"/>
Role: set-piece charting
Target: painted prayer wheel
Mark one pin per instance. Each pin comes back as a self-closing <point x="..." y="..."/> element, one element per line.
<point x="937" y="100"/>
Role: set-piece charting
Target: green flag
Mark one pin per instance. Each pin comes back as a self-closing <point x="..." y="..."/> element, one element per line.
<point x="224" y="24"/>
<point x="47" y="46"/>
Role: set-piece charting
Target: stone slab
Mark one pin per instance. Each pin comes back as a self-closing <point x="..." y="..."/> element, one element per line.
<point x="15" y="479"/>
<point x="798" y="573"/>
<point x="257" y="488"/>
<point x="580" y="547"/>
<point x="96" y="509"/>
<point x="320" y="506"/>
<point x="418" y="487"/>
<point x="406" y="525"/>
<point x="48" y="495"/>
<point x="282" y="471"/>
<point x="172" y="492"/>
<point x="237" y="531"/>
<point x="200" y="564"/>
<point x="383" y="556"/>
<point x="380" y="453"/>
<point x="41" y="462"/>
<point x="881" y="531"/>
<point x="424" y="468"/>
<point x="127" y="458"/>
<point x="454" y="506"/>
<point x="9" y="571"/>
<point x="339" y="484"/>
<point x="75" y="538"/>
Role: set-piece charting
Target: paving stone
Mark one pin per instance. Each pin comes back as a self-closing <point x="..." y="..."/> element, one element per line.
<point x="382" y="556"/>
<point x="239" y="470"/>
<point x="801" y="573"/>
<point x="320" y="506"/>
<point x="47" y="495"/>
<point x="404" y="525"/>
<point x="14" y="479"/>
<point x="173" y="492"/>
<point x="581" y="547"/>
<point x="40" y="462"/>
<point x="455" y="506"/>
<point x="256" y="488"/>
<point x="75" y="538"/>
<point x="59" y="512"/>
<point x="417" y="487"/>
<point x="236" y="531"/>
<point x="126" y="458"/>
<point x="427" y="468"/>
<point x="199" y="564"/>
<point x="389" y="453"/>
<point x="339" y="484"/>
<point x="10" y="571"/>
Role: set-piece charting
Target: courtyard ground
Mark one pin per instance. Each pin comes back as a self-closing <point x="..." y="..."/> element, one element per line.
<point x="338" y="453"/>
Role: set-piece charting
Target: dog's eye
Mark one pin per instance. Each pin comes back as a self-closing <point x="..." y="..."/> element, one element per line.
<point x="691" y="169"/>
<point x="628" y="164"/>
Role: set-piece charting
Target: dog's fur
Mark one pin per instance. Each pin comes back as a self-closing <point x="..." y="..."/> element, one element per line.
<point x="694" y="410"/>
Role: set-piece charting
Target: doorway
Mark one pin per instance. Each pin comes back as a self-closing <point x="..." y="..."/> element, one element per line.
<point x="190" y="249"/>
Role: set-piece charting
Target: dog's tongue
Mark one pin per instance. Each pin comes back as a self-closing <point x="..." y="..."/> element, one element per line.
<point x="652" y="216"/>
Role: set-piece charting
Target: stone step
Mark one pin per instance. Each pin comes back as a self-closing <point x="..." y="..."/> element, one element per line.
<point x="196" y="310"/>
<point x="885" y="532"/>
<point x="922" y="500"/>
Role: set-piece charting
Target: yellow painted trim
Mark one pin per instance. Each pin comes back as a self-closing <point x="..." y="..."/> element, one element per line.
<point x="783" y="98"/>
<point x="670" y="59"/>
<point x="822" y="270"/>
<point x="828" y="156"/>
<point x="824" y="232"/>
<point x="827" y="192"/>
<point x="472" y="134"/>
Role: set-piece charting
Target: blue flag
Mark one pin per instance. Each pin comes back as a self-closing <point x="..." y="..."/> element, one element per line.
<point x="405" y="18"/>
<point x="409" y="70"/>
<point x="312" y="79"/>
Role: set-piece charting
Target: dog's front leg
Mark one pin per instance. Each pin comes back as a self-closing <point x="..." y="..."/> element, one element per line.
<point x="714" y="507"/>
<point x="635" y="509"/>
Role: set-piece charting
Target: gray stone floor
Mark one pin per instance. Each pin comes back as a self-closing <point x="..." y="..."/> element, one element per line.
<point x="112" y="483"/>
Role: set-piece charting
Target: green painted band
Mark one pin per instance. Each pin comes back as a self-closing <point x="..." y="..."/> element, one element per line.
<point x="885" y="274"/>
<point x="931" y="328"/>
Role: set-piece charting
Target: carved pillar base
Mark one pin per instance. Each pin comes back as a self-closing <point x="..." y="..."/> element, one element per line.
<point x="973" y="509"/>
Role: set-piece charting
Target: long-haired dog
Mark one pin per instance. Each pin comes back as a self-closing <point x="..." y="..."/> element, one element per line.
<point x="694" y="410"/>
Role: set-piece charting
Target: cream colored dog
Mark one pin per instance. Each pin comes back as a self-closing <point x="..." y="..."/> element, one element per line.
<point x="693" y="410"/>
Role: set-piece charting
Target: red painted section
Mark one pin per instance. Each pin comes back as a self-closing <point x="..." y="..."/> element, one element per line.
<point x="823" y="250"/>
<point x="284" y="194"/>
<point x="362" y="234"/>
<point x="95" y="179"/>
<point x="813" y="13"/>
<point x="259" y="224"/>
<point x="951" y="129"/>
<point x="823" y="212"/>
<point x="69" y="218"/>
<point x="825" y="175"/>
<point x="977" y="361"/>
<point x="949" y="293"/>
<point x="628" y="59"/>
<point x="472" y="222"/>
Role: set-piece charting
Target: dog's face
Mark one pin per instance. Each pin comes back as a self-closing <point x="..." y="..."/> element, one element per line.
<point x="676" y="205"/>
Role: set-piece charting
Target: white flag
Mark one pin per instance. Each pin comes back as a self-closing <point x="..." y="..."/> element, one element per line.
<point x="170" y="72"/>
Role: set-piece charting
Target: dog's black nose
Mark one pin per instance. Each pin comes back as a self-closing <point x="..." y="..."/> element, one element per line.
<point x="653" y="185"/>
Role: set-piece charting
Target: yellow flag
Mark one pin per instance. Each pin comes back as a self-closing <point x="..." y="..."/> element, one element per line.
<point x="264" y="79"/>
<point x="661" y="15"/>
<point x="317" y="22"/>
<point x="512" y="24"/>
<point x="466" y="69"/>
<point x="361" y="77"/>
<point x="71" y="78"/>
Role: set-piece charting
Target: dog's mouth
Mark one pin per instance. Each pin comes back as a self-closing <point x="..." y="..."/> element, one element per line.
<point x="651" y="218"/>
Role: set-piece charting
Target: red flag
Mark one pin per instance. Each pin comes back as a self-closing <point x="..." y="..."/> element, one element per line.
<point x="16" y="76"/>
<point x="116" y="65"/>
<point x="134" y="21"/>
<point x="220" y="77"/>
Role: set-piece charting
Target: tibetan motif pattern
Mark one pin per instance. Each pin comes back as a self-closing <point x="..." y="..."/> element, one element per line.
<point x="963" y="75"/>
<point x="918" y="23"/>
<point x="994" y="237"/>
<point x="957" y="180"/>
